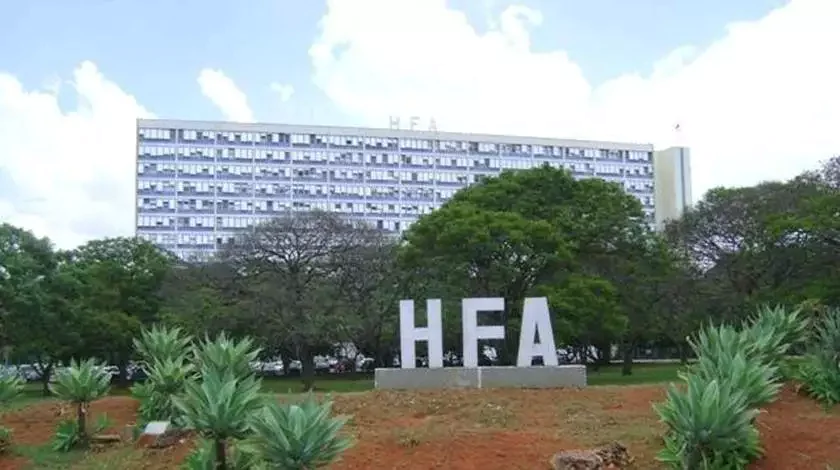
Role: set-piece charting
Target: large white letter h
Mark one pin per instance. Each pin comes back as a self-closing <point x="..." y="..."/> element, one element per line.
<point x="432" y="333"/>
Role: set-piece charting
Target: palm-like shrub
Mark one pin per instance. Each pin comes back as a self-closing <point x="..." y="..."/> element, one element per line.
<point x="80" y="384"/>
<point x="755" y="380"/>
<point x="10" y="388"/>
<point x="222" y="402"/>
<point x="711" y="424"/>
<point x="240" y="456"/>
<point x="165" y="379"/>
<point x="820" y="372"/>
<point x="299" y="437"/>
<point x="717" y="341"/>
<point x="709" y="427"/>
<point x="165" y="357"/>
<point x="772" y="331"/>
<point x="225" y="354"/>
<point x="723" y="355"/>
<point x="160" y="342"/>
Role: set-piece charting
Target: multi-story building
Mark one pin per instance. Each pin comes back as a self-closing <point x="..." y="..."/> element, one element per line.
<point x="672" y="190"/>
<point x="199" y="182"/>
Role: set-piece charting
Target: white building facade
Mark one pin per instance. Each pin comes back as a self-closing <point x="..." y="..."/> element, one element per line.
<point x="672" y="191"/>
<point x="198" y="182"/>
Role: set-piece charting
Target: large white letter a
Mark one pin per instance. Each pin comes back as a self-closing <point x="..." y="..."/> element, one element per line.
<point x="536" y="319"/>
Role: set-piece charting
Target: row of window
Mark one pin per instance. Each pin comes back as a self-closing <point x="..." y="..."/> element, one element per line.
<point x="247" y="172"/>
<point x="262" y="171"/>
<point x="252" y="153"/>
<point x="192" y="226"/>
<point x="199" y="204"/>
<point x="414" y="203"/>
<point x="453" y="182"/>
<point x="147" y="205"/>
<point x="167" y="205"/>
<point x="190" y="135"/>
<point x="258" y="189"/>
<point x="160" y="205"/>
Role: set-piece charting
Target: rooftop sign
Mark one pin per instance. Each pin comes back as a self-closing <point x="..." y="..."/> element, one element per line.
<point x="413" y="124"/>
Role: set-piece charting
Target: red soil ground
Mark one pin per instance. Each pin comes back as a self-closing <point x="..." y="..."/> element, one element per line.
<point x="487" y="430"/>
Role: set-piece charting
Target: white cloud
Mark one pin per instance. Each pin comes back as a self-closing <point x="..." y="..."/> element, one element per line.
<point x="224" y="93"/>
<point x="68" y="175"/>
<point x="763" y="102"/>
<point x="284" y="91"/>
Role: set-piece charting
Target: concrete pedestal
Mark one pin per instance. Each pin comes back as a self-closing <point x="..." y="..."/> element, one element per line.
<point x="481" y="377"/>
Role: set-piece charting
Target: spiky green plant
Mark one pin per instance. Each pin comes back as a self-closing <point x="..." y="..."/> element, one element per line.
<point x="723" y="356"/>
<point x="10" y="388"/>
<point x="67" y="435"/>
<point x="166" y="359"/>
<point x="226" y="354"/>
<point x="161" y="342"/>
<point x="772" y="331"/>
<point x="709" y="426"/>
<point x="222" y="402"/>
<point x="165" y="379"/>
<point x="820" y="371"/>
<point x="240" y="456"/>
<point x="299" y="436"/>
<point x="80" y="384"/>
<point x="717" y="341"/>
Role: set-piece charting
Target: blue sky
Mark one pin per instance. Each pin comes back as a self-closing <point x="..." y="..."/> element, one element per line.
<point x="155" y="48"/>
<point x="748" y="81"/>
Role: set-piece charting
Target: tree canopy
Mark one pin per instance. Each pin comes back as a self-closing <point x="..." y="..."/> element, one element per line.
<point x="310" y="283"/>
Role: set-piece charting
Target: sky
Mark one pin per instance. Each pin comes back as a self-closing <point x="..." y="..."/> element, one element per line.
<point x="753" y="84"/>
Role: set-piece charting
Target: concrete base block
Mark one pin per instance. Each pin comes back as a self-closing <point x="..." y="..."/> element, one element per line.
<point x="481" y="377"/>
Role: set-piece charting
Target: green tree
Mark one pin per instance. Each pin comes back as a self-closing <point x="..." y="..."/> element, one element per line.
<point x="371" y="284"/>
<point x="203" y="298"/>
<point x="39" y="322"/>
<point x="747" y="248"/>
<point x="291" y="271"/>
<point x="513" y="234"/>
<point x="586" y="311"/>
<point x="118" y="283"/>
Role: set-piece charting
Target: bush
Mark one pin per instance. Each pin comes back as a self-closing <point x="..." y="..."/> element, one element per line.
<point x="239" y="457"/>
<point x="166" y="360"/>
<point x="710" y="426"/>
<point x="80" y="384"/>
<point x="820" y="371"/>
<point x="299" y="437"/>
<point x="219" y="397"/>
<point x="723" y="355"/>
<point x="773" y="331"/>
<point x="221" y="404"/>
<point x="10" y="388"/>
<point x="711" y="423"/>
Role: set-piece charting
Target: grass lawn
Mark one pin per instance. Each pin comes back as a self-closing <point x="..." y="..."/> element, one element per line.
<point x="344" y="383"/>
<point x="610" y="375"/>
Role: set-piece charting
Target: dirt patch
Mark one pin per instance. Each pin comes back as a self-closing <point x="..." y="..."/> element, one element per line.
<point x="486" y="429"/>
<point x="797" y="434"/>
<point x="494" y="429"/>
<point x="35" y="424"/>
<point x="13" y="463"/>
